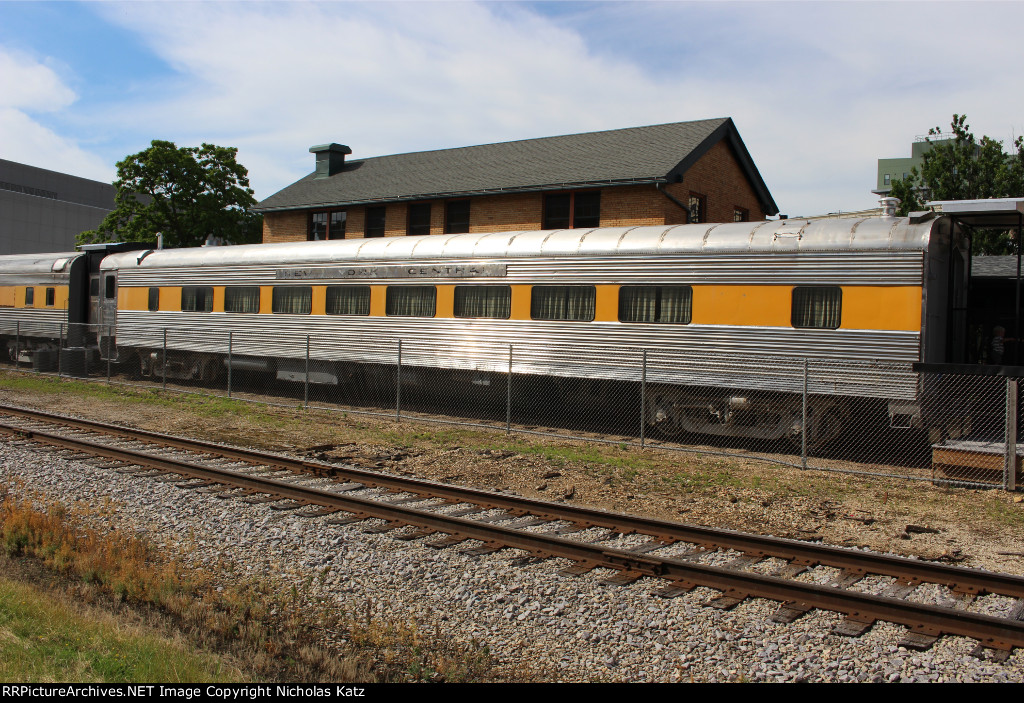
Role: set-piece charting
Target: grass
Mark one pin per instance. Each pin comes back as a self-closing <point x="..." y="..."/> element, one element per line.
<point x="44" y="637"/>
<point x="270" y="629"/>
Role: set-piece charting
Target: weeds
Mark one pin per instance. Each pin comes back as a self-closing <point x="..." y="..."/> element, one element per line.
<point x="274" y="632"/>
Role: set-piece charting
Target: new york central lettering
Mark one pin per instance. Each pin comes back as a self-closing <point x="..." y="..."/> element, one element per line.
<point x="406" y="271"/>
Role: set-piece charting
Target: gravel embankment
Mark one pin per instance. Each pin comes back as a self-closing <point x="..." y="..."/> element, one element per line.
<point x="561" y="629"/>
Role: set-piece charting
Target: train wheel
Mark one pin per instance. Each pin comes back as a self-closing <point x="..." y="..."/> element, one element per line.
<point x="825" y="422"/>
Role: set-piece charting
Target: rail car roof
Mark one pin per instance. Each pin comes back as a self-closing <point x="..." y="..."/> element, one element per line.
<point x="37" y="263"/>
<point x="773" y="236"/>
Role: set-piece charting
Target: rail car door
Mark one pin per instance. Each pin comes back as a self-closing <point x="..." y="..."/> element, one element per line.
<point x="959" y="285"/>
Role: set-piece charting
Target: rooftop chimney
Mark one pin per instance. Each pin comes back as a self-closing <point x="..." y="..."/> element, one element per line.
<point x="329" y="158"/>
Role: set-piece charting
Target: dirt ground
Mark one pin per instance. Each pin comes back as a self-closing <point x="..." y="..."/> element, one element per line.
<point x="972" y="528"/>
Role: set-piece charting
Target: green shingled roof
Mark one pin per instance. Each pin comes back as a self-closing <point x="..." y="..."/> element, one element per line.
<point x="616" y="157"/>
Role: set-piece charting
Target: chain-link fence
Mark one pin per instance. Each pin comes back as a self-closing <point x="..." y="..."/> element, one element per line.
<point x="856" y="416"/>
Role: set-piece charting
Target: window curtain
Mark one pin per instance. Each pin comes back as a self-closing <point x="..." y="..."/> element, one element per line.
<point x="817" y="307"/>
<point x="661" y="304"/>
<point x="348" y="300"/>
<point x="293" y="300"/>
<point x="483" y="301"/>
<point x="242" y="299"/>
<point x="563" y="303"/>
<point x="411" y="301"/>
<point x="197" y="299"/>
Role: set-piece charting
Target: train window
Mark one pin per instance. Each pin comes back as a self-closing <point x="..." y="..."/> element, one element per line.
<point x="154" y="299"/>
<point x="30" y="296"/>
<point x="50" y="297"/>
<point x="292" y="300"/>
<point x="483" y="301"/>
<point x="94" y="288"/>
<point x="242" y="299"/>
<point x="661" y="304"/>
<point x="410" y="301"/>
<point x="563" y="303"/>
<point x="111" y="288"/>
<point x="817" y="307"/>
<point x="197" y="299"/>
<point x="348" y="300"/>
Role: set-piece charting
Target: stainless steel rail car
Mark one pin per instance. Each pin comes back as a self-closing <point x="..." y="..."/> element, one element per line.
<point x="873" y="296"/>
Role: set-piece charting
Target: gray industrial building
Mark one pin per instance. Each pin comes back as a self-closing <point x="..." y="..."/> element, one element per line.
<point x="43" y="211"/>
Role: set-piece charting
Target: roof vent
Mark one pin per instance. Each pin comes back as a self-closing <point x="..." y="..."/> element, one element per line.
<point x="330" y="158"/>
<point x="889" y="206"/>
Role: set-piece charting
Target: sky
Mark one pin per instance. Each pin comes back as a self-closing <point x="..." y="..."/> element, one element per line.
<point x="818" y="90"/>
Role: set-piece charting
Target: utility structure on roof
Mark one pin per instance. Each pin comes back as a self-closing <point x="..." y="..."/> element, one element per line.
<point x="676" y="173"/>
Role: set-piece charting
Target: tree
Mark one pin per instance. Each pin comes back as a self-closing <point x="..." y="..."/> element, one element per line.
<point x="187" y="194"/>
<point x="964" y="168"/>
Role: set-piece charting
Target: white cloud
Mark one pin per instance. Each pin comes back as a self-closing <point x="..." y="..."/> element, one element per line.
<point x="29" y="87"/>
<point x="28" y="142"/>
<point x="819" y="91"/>
<point x="27" y="84"/>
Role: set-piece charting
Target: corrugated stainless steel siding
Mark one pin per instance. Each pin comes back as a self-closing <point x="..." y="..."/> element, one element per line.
<point x="590" y="350"/>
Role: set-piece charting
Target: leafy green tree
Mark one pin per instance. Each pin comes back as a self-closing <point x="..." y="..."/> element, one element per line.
<point x="186" y="193"/>
<point x="964" y="168"/>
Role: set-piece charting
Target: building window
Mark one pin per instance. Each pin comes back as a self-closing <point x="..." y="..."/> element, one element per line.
<point x="740" y="214"/>
<point x="563" y="303"/>
<point x="456" y="217"/>
<point x="348" y="300"/>
<point x="326" y="225"/>
<point x="374" y="222"/>
<point x="419" y="219"/>
<point x="292" y="300"/>
<point x="572" y="210"/>
<point x="698" y="208"/>
<point x="242" y="299"/>
<point x="338" y="220"/>
<point x="671" y="305"/>
<point x="30" y="296"/>
<point x="197" y="299"/>
<point x="817" y="307"/>
<point x="483" y="301"/>
<point x="410" y="301"/>
<point x="50" y="297"/>
<point x="317" y="227"/>
<point x="886" y="179"/>
<point x="154" y="300"/>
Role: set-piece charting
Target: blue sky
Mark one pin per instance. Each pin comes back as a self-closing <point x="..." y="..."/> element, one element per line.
<point x="818" y="90"/>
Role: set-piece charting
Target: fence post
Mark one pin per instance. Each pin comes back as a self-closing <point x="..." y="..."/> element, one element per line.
<point x="229" y="362"/>
<point x="398" y="384"/>
<point x="1010" y="458"/>
<point x="643" y="400"/>
<point x="17" y="344"/>
<point x="110" y="337"/>
<point x="508" y="394"/>
<point x="305" y="389"/>
<point x="803" y="430"/>
<point x="60" y="348"/>
<point x="163" y="385"/>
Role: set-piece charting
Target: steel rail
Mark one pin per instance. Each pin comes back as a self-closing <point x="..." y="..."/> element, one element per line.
<point x="989" y="631"/>
<point x="959" y="579"/>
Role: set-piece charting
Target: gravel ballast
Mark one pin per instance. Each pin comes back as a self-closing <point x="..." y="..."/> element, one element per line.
<point x="537" y="624"/>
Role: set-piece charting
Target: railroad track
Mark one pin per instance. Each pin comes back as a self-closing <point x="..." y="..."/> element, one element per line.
<point x="739" y="565"/>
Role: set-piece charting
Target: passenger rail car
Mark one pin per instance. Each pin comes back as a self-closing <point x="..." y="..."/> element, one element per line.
<point x="872" y="296"/>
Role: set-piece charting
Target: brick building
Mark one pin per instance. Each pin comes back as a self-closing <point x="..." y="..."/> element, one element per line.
<point x="665" y="174"/>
